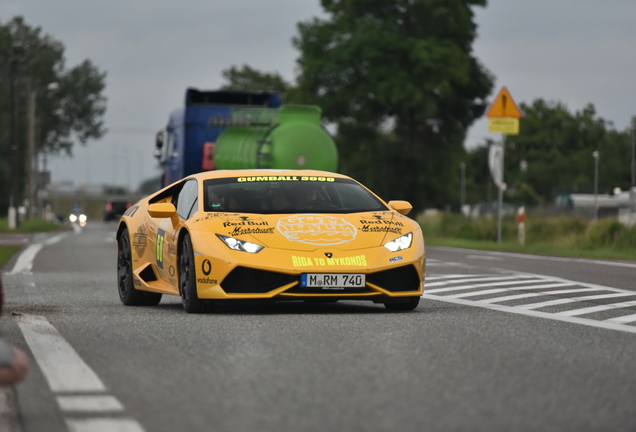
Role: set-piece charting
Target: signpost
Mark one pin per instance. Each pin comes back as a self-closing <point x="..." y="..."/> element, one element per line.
<point x="503" y="117"/>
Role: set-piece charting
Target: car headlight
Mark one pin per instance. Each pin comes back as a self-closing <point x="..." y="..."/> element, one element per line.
<point x="400" y="243"/>
<point x="72" y="218"/>
<point x="82" y="218"/>
<point x="240" y="245"/>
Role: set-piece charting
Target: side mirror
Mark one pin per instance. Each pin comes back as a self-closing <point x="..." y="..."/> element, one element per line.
<point x="159" y="140"/>
<point x="164" y="210"/>
<point x="402" y="207"/>
<point x="158" y="153"/>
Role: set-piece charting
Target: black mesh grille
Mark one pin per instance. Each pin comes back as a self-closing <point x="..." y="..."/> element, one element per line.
<point x="246" y="280"/>
<point x="397" y="279"/>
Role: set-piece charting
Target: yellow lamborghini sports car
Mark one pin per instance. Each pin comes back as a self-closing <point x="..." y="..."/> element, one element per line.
<point x="269" y="234"/>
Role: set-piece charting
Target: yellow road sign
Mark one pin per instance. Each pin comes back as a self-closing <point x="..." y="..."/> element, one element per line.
<point x="504" y="125"/>
<point x="503" y="106"/>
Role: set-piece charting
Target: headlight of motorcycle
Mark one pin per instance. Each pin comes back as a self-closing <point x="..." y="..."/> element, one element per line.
<point x="400" y="243"/>
<point x="240" y="245"/>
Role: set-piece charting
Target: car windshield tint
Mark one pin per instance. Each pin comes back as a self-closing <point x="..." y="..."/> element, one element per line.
<point x="288" y="194"/>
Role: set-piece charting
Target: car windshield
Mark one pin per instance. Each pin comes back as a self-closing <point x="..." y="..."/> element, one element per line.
<point x="288" y="194"/>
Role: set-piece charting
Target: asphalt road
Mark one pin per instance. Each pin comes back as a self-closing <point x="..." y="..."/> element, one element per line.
<point x="467" y="359"/>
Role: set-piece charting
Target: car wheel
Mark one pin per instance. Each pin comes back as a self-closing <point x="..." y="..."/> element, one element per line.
<point x="127" y="292"/>
<point x="187" y="281"/>
<point x="408" y="305"/>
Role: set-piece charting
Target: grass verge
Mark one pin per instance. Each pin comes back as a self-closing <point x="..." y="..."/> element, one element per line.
<point x="31" y="226"/>
<point x="6" y="252"/>
<point x="567" y="236"/>
<point x="536" y="249"/>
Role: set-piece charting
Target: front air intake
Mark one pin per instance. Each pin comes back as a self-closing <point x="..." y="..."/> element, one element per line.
<point x="396" y="280"/>
<point x="244" y="280"/>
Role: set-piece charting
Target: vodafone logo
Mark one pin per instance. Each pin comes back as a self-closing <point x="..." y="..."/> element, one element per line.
<point x="320" y="230"/>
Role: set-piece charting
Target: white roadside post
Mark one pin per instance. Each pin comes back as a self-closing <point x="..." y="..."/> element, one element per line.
<point x="521" y="225"/>
<point x="12" y="217"/>
<point x="503" y="117"/>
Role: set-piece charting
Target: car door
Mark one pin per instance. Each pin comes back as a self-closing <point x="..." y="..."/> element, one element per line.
<point x="185" y="201"/>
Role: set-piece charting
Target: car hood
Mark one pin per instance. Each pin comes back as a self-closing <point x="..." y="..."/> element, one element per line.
<point x="307" y="232"/>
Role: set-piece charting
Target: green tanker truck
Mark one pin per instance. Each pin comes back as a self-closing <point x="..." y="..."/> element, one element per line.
<point x="235" y="130"/>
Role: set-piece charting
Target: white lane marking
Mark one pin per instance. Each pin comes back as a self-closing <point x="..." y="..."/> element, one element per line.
<point x="484" y="257"/>
<point x="9" y="415"/>
<point x="622" y="319"/>
<point x="24" y="263"/>
<point x="508" y="282"/>
<point x="89" y="403"/>
<point x="104" y="425"/>
<point x="537" y="294"/>
<point x="455" y="276"/>
<point x="514" y="297"/>
<point x="540" y="257"/>
<point x="62" y="367"/>
<point x="482" y="292"/>
<point x="434" y="262"/>
<point x="5" y="399"/>
<point x="528" y="312"/>
<point x="479" y="279"/>
<point x="522" y="288"/>
<point x="54" y="240"/>
<point x="574" y="299"/>
<point x="599" y="308"/>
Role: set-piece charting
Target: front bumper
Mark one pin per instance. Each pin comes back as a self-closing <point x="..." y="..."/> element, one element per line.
<point x="245" y="280"/>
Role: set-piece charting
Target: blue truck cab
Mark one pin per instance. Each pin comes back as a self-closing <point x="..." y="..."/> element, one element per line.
<point x="186" y="146"/>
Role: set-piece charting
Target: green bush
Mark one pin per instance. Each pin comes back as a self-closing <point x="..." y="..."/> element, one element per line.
<point x="541" y="229"/>
<point x="610" y="233"/>
<point x="545" y="229"/>
<point x="35" y="225"/>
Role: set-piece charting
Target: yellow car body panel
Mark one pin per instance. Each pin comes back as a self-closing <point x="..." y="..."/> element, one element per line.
<point x="293" y="244"/>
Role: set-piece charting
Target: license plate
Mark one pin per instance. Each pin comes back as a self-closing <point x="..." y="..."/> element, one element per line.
<point x="332" y="280"/>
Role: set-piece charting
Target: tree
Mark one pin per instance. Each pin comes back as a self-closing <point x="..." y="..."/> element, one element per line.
<point x="71" y="113"/>
<point x="250" y="79"/>
<point x="399" y="81"/>
<point x="556" y="148"/>
<point x="150" y="185"/>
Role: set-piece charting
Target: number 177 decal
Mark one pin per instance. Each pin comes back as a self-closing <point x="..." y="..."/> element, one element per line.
<point x="161" y="239"/>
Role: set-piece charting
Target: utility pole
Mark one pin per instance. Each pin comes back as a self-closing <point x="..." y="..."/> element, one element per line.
<point x="14" y="197"/>
<point x="632" y="190"/>
<point x="30" y="153"/>
<point x="462" y="191"/>
<point x="595" y="156"/>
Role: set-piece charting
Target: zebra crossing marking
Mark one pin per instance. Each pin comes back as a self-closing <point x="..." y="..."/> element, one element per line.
<point x="575" y="299"/>
<point x="593" y="309"/>
<point x="452" y="288"/>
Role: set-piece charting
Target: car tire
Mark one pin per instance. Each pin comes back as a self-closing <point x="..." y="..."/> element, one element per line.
<point x="408" y="305"/>
<point x="187" y="281"/>
<point x="127" y="292"/>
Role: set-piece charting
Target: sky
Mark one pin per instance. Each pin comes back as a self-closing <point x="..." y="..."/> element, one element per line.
<point x="572" y="51"/>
